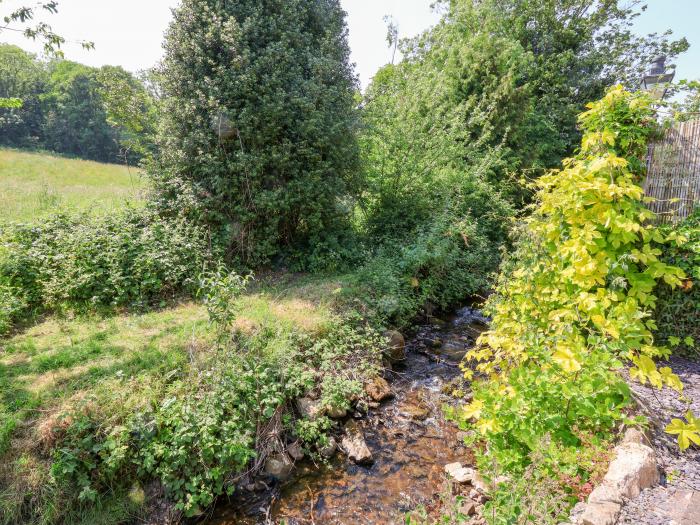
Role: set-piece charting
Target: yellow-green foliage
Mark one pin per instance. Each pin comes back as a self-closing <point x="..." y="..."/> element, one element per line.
<point x="32" y="185"/>
<point x="575" y="304"/>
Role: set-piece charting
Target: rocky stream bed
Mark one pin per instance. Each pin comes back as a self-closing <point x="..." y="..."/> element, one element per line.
<point x="409" y="440"/>
<point x="404" y="444"/>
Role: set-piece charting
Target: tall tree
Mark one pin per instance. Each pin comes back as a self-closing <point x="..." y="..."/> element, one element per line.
<point x="580" y="47"/>
<point x="258" y="106"/>
<point x="22" y="19"/>
<point x="22" y="77"/>
<point x="76" y="119"/>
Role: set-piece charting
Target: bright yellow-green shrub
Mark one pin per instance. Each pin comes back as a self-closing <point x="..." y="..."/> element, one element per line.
<point x="574" y="304"/>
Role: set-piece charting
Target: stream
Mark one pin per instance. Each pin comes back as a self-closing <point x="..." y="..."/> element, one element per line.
<point x="410" y="440"/>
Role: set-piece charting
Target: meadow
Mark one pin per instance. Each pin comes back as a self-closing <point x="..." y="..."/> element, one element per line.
<point x="33" y="185"/>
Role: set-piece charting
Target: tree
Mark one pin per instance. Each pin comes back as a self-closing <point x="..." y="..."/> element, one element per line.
<point x="688" y="107"/>
<point x="580" y="47"/>
<point x="130" y="109"/>
<point x="22" y="20"/>
<point x="22" y="79"/>
<point x="441" y="120"/>
<point x="76" y="120"/>
<point x="259" y="125"/>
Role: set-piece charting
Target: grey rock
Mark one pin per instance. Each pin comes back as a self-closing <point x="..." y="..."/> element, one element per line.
<point x="685" y="507"/>
<point x="328" y="450"/>
<point x="295" y="451"/>
<point x="600" y="513"/>
<point x="309" y="408"/>
<point x="459" y="473"/>
<point x="354" y="443"/>
<point x="279" y="466"/>
<point x="396" y="346"/>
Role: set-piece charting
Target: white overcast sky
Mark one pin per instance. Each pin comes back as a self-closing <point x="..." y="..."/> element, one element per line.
<point x="130" y="32"/>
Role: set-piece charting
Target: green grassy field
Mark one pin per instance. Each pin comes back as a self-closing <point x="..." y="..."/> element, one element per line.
<point x="35" y="184"/>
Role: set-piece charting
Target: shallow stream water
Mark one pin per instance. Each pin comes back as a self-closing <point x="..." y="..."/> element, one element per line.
<point x="409" y="438"/>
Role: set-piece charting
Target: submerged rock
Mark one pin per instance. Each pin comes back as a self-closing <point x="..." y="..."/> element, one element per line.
<point x="354" y="443"/>
<point x="418" y="412"/>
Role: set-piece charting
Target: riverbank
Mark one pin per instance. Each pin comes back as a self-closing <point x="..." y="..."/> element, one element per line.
<point x="84" y="399"/>
<point x="408" y="437"/>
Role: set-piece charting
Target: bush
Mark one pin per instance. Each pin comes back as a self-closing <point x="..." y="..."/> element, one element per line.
<point x="677" y="309"/>
<point x="574" y="305"/>
<point x="442" y="262"/>
<point x="130" y="258"/>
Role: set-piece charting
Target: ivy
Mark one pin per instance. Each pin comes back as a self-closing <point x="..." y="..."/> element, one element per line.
<point x="574" y="304"/>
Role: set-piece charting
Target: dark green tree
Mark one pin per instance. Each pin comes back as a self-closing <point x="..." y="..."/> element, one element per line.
<point x="258" y="135"/>
<point x="22" y="77"/>
<point x="76" y="119"/>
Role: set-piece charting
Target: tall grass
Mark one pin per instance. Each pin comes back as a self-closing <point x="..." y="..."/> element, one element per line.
<point x="32" y="185"/>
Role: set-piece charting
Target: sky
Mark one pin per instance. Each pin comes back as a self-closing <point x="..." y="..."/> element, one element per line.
<point x="130" y="32"/>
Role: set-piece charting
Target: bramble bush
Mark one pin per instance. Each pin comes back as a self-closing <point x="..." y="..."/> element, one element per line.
<point x="441" y="262"/>
<point x="575" y="303"/>
<point x="76" y="261"/>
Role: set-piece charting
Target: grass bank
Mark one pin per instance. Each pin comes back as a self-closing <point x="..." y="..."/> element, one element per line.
<point x="33" y="185"/>
<point x="77" y="393"/>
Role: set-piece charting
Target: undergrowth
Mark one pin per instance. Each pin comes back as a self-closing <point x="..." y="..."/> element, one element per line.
<point x="677" y="318"/>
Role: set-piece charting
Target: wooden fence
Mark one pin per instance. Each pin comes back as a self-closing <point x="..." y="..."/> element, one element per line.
<point x="673" y="172"/>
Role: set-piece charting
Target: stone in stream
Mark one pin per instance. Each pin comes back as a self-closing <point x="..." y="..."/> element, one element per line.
<point x="279" y="466"/>
<point x="295" y="451"/>
<point x="396" y="346"/>
<point x="468" y="508"/>
<point x="415" y="412"/>
<point x="378" y="389"/>
<point x="459" y="473"/>
<point x="354" y="443"/>
<point x="309" y="408"/>
<point x="336" y="412"/>
<point x="329" y="449"/>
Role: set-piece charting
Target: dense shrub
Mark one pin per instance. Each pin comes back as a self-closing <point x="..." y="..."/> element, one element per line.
<point x="259" y="121"/>
<point x="677" y="314"/>
<point x="575" y="304"/>
<point x="130" y="258"/>
<point x="442" y="263"/>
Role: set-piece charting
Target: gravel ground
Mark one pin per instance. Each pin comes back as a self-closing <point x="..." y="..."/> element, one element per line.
<point x="680" y="471"/>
